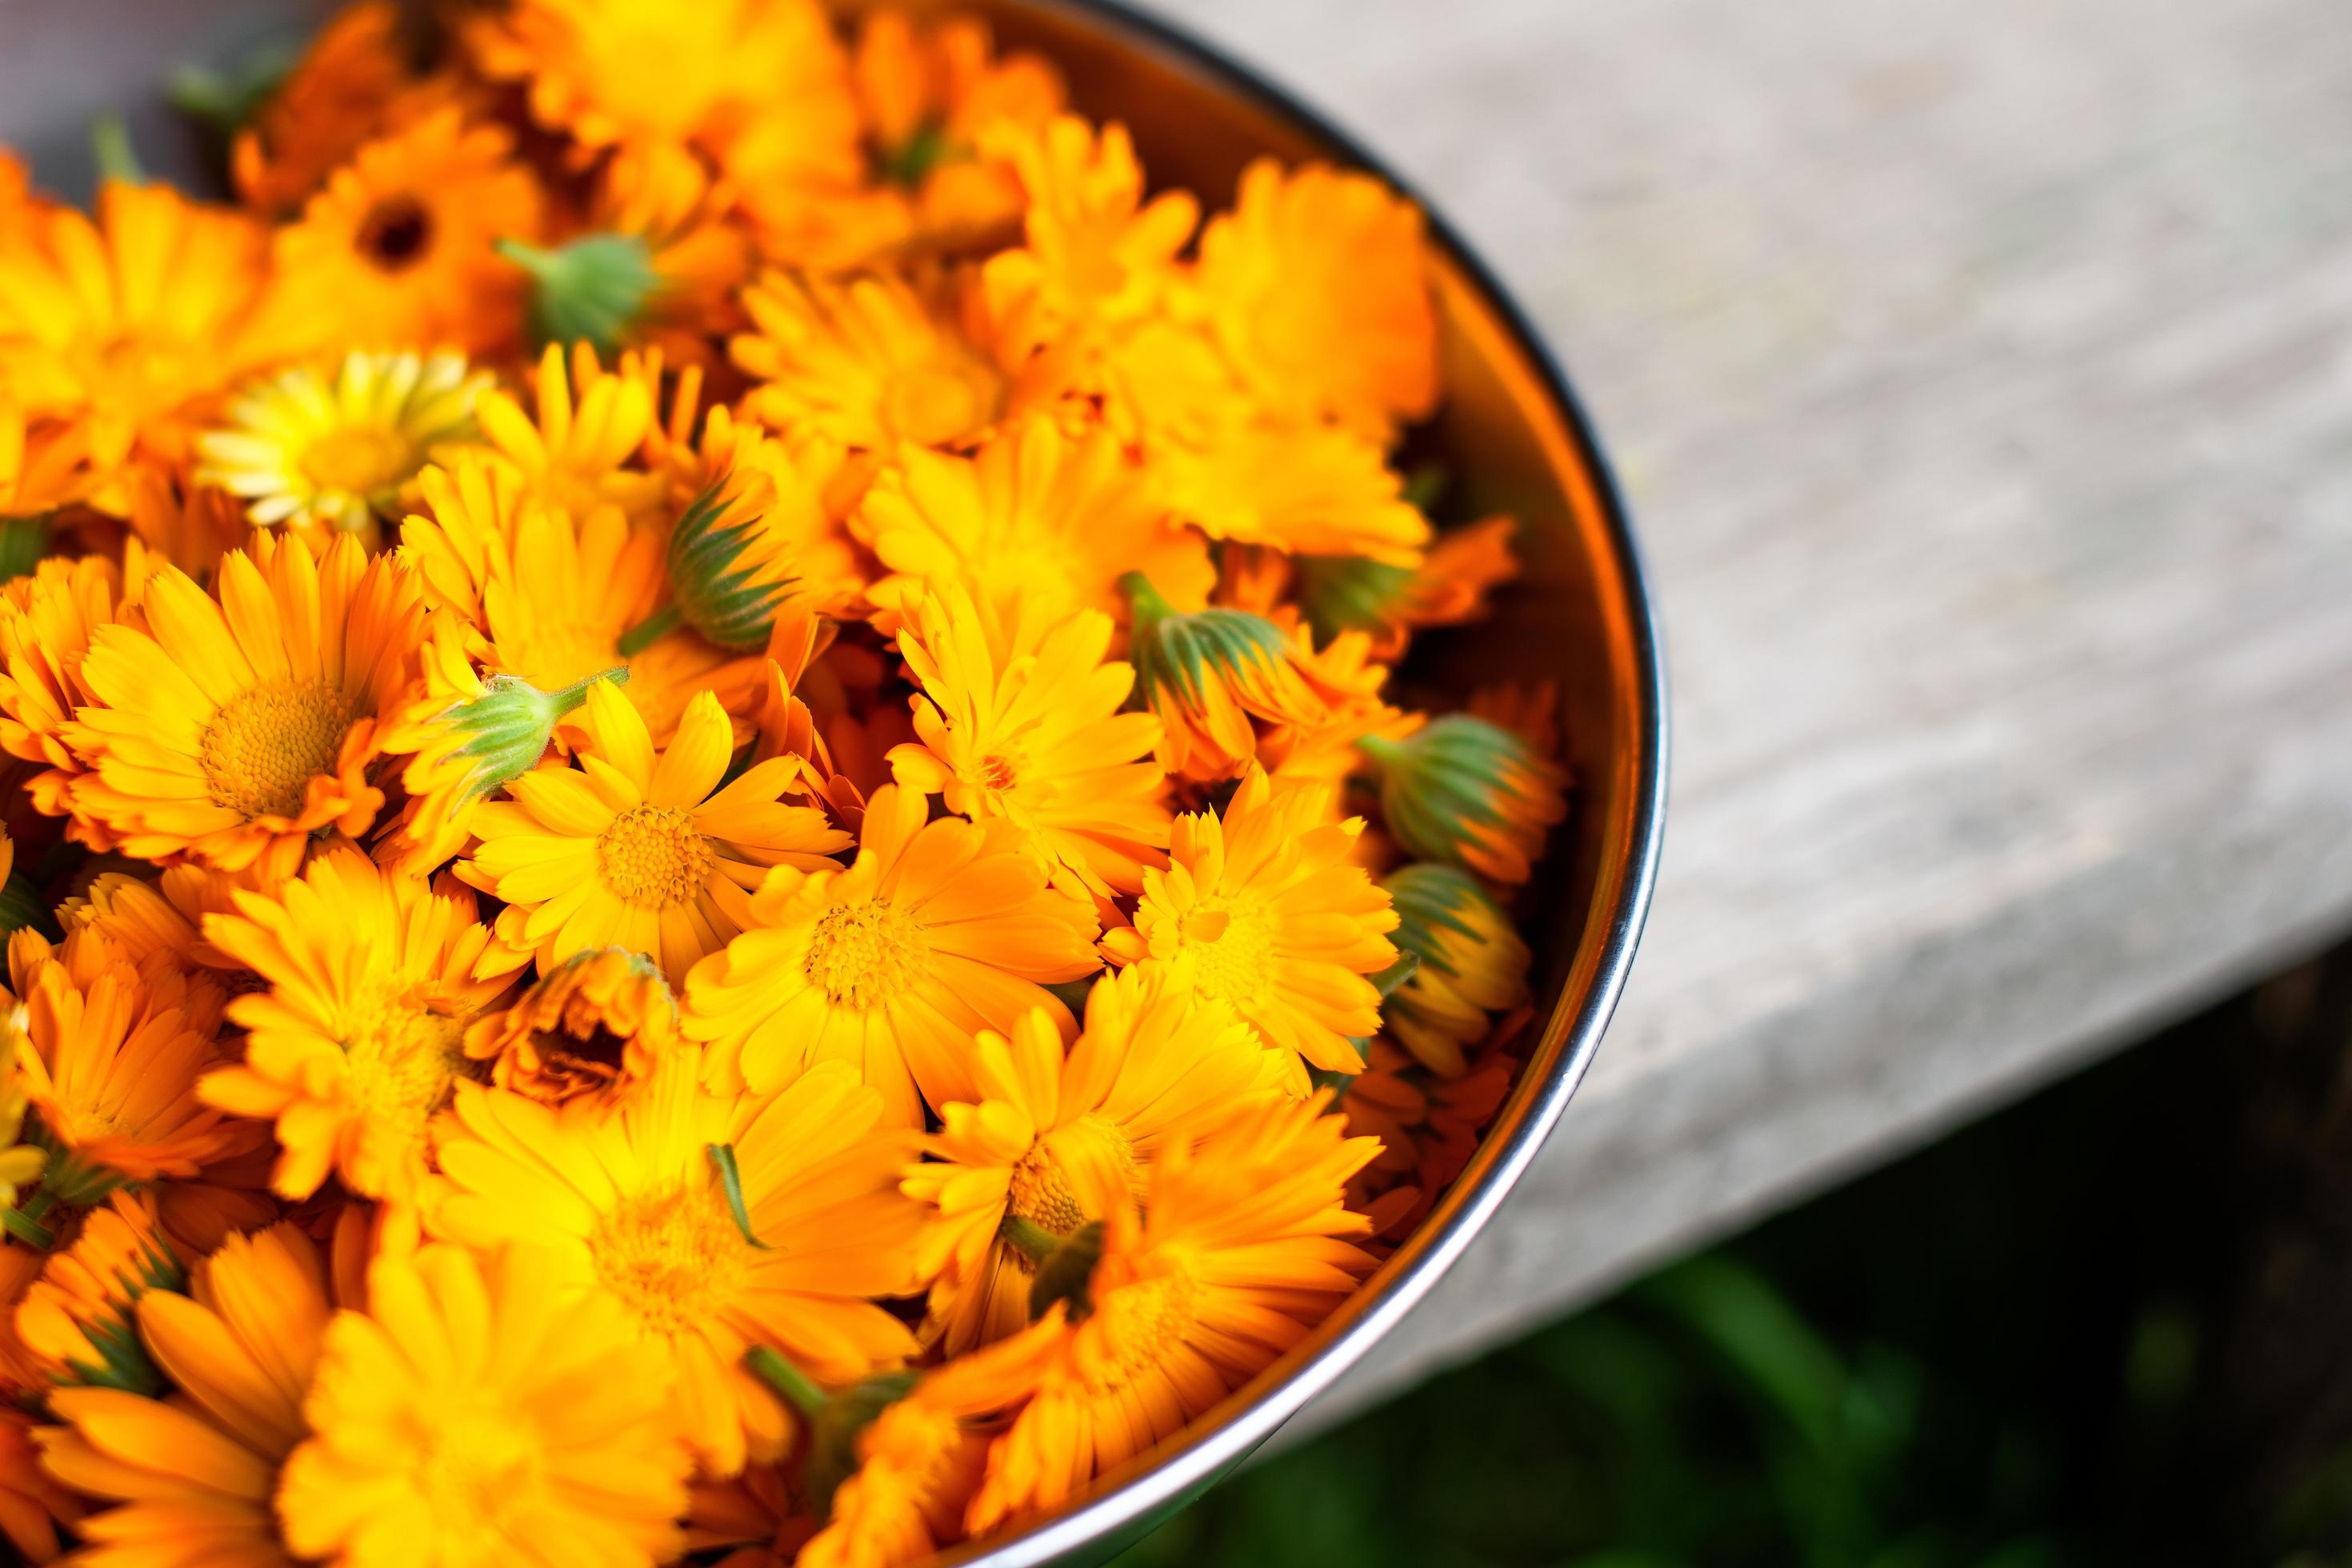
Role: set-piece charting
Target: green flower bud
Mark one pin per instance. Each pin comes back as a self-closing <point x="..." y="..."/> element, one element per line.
<point x="501" y="734"/>
<point x="591" y="289"/>
<point x="726" y="585"/>
<point x="1068" y="1274"/>
<point x="1348" y="592"/>
<point x="1473" y="962"/>
<point x="1467" y="793"/>
<point x="835" y="1420"/>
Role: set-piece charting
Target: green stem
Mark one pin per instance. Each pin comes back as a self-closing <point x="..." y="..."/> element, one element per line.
<point x="644" y="635"/>
<point x="567" y="698"/>
<point x="789" y="1381"/>
<point x="525" y="254"/>
<point x="109" y="143"/>
<point x="1381" y="750"/>
<point x="1030" y="1239"/>
<point x="25" y="1222"/>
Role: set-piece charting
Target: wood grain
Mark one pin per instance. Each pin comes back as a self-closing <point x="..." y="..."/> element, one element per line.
<point x="1981" y="377"/>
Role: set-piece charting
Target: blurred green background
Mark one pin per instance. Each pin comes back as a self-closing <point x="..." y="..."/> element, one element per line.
<point x="2105" y="1326"/>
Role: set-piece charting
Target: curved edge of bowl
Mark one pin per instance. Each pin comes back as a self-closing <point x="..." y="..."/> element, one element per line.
<point x="1126" y="1503"/>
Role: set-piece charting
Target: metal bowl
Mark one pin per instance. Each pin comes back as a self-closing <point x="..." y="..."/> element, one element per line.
<point x="1514" y="439"/>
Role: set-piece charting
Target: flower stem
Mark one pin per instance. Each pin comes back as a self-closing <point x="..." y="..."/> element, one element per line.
<point x="567" y="698"/>
<point x="789" y="1382"/>
<point x="643" y="635"/>
<point x="1030" y="1239"/>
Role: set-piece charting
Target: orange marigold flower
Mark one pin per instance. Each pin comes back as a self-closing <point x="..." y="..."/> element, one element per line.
<point x="1034" y="511"/>
<point x="1238" y="1252"/>
<point x="372" y="979"/>
<point x="1056" y="1141"/>
<point x="196" y="1475"/>
<point x="639" y="851"/>
<point x="1306" y="490"/>
<point x="44" y="464"/>
<point x="1208" y="675"/>
<point x="108" y="1059"/>
<point x="1020" y="720"/>
<point x="126" y="329"/>
<point x="1261" y="911"/>
<point x="244" y="721"/>
<point x="32" y="1504"/>
<point x="399" y="244"/>
<point x="936" y="930"/>
<point x="1388" y="602"/>
<point x="782" y="1237"/>
<point x="1317" y="287"/>
<point x="793" y="496"/>
<point x="351" y="86"/>
<point x="76" y="1321"/>
<point x="595" y="1026"/>
<point x="870" y="361"/>
<point x="932" y="92"/>
<point x="45" y="622"/>
<point x="477" y="1412"/>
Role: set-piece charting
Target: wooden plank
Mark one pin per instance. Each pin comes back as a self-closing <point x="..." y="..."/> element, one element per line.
<point x="1981" y="375"/>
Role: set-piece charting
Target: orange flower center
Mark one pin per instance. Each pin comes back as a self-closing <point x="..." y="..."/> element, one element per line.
<point x="396" y="234"/>
<point x="1230" y="940"/>
<point x="403" y="1066"/>
<point x="866" y="954"/>
<point x="652" y="857"/>
<point x="1041" y="1188"/>
<point x="674" y="1258"/>
<point x="474" y="1464"/>
<point x="261" y="751"/>
<point x="359" y="459"/>
<point x="1143" y="1322"/>
<point x="998" y="772"/>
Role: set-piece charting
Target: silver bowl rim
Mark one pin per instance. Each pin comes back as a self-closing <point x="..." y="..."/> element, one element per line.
<point x="1160" y="1479"/>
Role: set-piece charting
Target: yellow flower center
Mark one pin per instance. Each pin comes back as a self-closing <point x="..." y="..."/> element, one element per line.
<point x="674" y="1258"/>
<point x="359" y="459"/>
<point x="474" y="1464"/>
<point x="939" y="400"/>
<point x="866" y="954"/>
<point x="1230" y="939"/>
<point x="1144" y="1321"/>
<point x="1041" y="1189"/>
<point x="262" y="750"/>
<point x="998" y="771"/>
<point x="652" y="857"/>
<point x="404" y="1065"/>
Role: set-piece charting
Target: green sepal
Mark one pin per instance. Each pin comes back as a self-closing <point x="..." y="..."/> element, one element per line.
<point x="907" y="164"/>
<point x="1338" y="1083"/>
<point x="23" y="542"/>
<point x="1178" y="649"/>
<point x="591" y="289"/>
<point x="510" y="724"/>
<point x="227" y="98"/>
<point x="110" y="149"/>
<point x="1073" y="993"/>
<point x="21" y="905"/>
<point x="1068" y="1273"/>
<point x="1348" y="592"/>
<point x="835" y="1430"/>
<point x="1449" y="772"/>
<point x="1429" y="898"/>
<point x="731" y="1182"/>
<point x="731" y="604"/>
<point x="122" y="1362"/>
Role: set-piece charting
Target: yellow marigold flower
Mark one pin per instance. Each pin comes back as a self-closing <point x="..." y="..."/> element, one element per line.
<point x="1468" y="793"/>
<point x="1306" y="490"/>
<point x="1054" y="1141"/>
<point x="467" y="736"/>
<point x="1472" y="962"/>
<point x="595" y="1026"/>
<point x="45" y="622"/>
<point x="372" y="979"/>
<point x="936" y="930"/>
<point x="32" y="1502"/>
<point x="398" y="245"/>
<point x="44" y="464"/>
<point x="1237" y="1255"/>
<point x="708" y="1222"/>
<point x="123" y="328"/>
<point x="108" y="1059"/>
<point x="1019" y="720"/>
<point x="77" y="1321"/>
<point x="1261" y="910"/>
<point x="1032" y="511"/>
<point x="352" y="85"/>
<point x="1095" y="254"/>
<point x="479" y="1412"/>
<point x="246" y="719"/>
<point x="591" y="422"/>
<point x="642" y="852"/>
<point x="1207" y="675"/>
<point x="302" y="448"/>
<point x="930" y="94"/>
<point x="1318" y="286"/>
<point x="869" y="361"/>
<point x="193" y="1477"/>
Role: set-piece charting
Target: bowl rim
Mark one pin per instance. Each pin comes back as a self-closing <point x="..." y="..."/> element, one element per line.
<point x="1162" y="1479"/>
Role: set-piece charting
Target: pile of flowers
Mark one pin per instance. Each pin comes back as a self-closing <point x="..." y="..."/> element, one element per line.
<point x="710" y="849"/>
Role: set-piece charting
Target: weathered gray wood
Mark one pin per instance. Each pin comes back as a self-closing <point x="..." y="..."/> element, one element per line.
<point x="1981" y="375"/>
